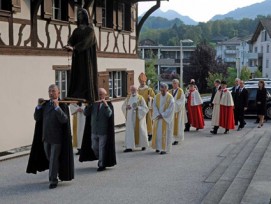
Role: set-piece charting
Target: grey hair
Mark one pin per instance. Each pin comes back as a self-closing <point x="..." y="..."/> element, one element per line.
<point x="53" y="86"/>
<point x="163" y="85"/>
<point x="175" y="81"/>
<point x="217" y="81"/>
<point x="237" y="79"/>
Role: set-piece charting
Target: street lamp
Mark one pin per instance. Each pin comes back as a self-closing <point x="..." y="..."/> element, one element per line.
<point x="181" y="59"/>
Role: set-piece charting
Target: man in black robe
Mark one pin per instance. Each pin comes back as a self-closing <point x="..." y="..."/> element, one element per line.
<point x="99" y="135"/>
<point x="84" y="77"/>
<point x="52" y="143"/>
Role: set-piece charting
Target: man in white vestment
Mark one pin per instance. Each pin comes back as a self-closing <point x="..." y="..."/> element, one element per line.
<point x="135" y="109"/>
<point x="163" y="112"/>
<point x="79" y="119"/>
<point x="179" y="112"/>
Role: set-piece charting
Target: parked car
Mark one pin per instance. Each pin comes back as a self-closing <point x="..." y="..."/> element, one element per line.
<point x="251" y="111"/>
<point x="255" y="81"/>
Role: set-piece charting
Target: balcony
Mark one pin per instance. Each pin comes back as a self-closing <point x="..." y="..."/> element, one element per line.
<point x="254" y="56"/>
<point x="230" y="52"/>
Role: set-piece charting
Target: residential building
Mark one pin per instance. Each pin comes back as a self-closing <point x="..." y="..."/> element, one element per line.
<point x="260" y="51"/>
<point x="167" y="58"/>
<point x="32" y="36"/>
<point x="233" y="52"/>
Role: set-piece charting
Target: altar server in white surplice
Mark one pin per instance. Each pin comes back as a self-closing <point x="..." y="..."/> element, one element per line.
<point x="79" y="119"/>
<point x="163" y="112"/>
<point x="179" y="112"/>
<point x="135" y="109"/>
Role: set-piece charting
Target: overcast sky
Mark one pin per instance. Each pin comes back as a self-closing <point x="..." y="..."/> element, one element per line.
<point x="200" y="10"/>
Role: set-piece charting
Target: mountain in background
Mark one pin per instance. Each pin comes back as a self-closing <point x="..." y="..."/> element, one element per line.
<point x="252" y="11"/>
<point x="171" y="15"/>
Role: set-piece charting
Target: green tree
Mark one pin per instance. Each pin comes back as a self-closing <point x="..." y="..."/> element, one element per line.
<point x="212" y="77"/>
<point x="258" y="74"/>
<point x="151" y="73"/>
<point x="245" y="74"/>
<point x="232" y="74"/>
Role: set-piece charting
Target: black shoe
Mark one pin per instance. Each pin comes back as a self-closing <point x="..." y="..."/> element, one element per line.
<point x="226" y="132"/>
<point x="52" y="185"/>
<point x="162" y="152"/>
<point x="157" y="151"/>
<point x="127" y="150"/>
<point x="197" y="129"/>
<point x="143" y="148"/>
<point x="149" y="137"/>
<point x="239" y="128"/>
<point x="79" y="152"/>
<point x="175" y="143"/>
<point x="101" y="169"/>
<point x="186" y="130"/>
<point x="213" y="132"/>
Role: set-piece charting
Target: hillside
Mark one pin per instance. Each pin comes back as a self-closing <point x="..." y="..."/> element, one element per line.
<point x="171" y="15"/>
<point x="250" y="12"/>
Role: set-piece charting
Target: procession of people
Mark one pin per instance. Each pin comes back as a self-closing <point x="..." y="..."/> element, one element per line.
<point x="152" y="120"/>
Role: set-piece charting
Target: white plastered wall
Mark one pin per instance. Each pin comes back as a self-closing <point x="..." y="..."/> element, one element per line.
<point x="23" y="80"/>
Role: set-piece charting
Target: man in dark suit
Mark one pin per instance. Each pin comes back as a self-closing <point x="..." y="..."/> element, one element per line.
<point x="240" y="105"/>
<point x="216" y="87"/>
<point x="233" y="93"/>
<point x="102" y="141"/>
<point x="53" y="118"/>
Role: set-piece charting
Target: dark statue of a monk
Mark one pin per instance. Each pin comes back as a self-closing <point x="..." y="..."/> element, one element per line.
<point x="84" y="78"/>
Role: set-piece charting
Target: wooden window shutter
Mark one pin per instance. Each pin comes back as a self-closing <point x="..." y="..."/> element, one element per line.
<point x="120" y="19"/>
<point x="47" y="9"/>
<point x="130" y="80"/>
<point x="99" y="15"/>
<point x="115" y="9"/>
<point x="103" y="80"/>
<point x="133" y="18"/>
<point x="16" y="5"/>
<point x="71" y="11"/>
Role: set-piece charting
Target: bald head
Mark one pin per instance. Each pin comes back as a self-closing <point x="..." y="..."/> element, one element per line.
<point x="102" y="93"/>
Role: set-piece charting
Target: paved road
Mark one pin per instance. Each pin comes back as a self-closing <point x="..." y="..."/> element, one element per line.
<point x="140" y="177"/>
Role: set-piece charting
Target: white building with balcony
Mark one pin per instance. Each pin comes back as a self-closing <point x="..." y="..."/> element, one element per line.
<point x="259" y="55"/>
<point x="233" y="52"/>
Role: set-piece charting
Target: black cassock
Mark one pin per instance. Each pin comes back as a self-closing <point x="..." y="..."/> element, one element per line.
<point x="87" y="153"/>
<point x="84" y="78"/>
<point x="37" y="160"/>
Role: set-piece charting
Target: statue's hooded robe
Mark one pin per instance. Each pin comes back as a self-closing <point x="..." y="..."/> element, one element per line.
<point x="84" y="78"/>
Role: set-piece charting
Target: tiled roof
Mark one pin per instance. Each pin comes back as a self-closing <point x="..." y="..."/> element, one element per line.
<point x="263" y="24"/>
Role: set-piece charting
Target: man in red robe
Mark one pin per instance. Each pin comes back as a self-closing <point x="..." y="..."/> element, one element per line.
<point x="226" y="116"/>
<point x="194" y="108"/>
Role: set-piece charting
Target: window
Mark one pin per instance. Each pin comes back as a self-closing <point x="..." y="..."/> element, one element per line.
<point x="62" y="78"/>
<point x="115" y="84"/>
<point x="104" y="13"/>
<point x="61" y="10"/>
<point x="267" y="63"/>
<point x="10" y="5"/>
<point x="267" y="48"/>
<point x="255" y="49"/>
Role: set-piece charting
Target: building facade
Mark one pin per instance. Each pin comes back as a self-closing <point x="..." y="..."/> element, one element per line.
<point x="233" y="52"/>
<point x="32" y="36"/>
<point x="260" y="51"/>
<point x="167" y="59"/>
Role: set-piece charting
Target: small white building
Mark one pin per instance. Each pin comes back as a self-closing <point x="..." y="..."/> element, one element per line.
<point x="233" y="52"/>
<point x="260" y="52"/>
<point x="32" y="34"/>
